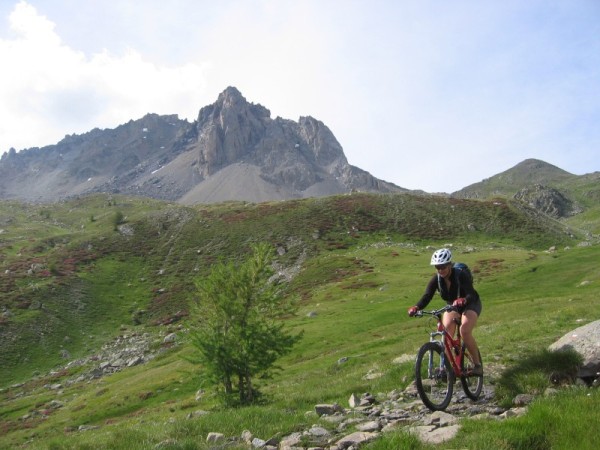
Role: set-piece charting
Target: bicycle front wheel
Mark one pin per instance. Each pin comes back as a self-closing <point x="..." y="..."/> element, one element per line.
<point x="472" y="384"/>
<point x="434" y="376"/>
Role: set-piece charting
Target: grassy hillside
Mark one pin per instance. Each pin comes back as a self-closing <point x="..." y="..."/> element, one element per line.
<point x="76" y="275"/>
<point x="507" y="183"/>
<point x="583" y="190"/>
<point x="586" y="191"/>
<point x="71" y="275"/>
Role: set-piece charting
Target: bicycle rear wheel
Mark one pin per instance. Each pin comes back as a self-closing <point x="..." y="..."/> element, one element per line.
<point x="472" y="384"/>
<point x="434" y="376"/>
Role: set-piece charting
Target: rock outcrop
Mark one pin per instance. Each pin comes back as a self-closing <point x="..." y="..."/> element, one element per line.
<point x="548" y="200"/>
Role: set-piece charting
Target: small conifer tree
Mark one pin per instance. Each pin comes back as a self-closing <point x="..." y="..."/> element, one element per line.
<point x="237" y="325"/>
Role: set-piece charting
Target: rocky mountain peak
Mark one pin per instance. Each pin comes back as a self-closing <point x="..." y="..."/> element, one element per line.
<point x="233" y="151"/>
<point x="227" y="130"/>
<point x="231" y="97"/>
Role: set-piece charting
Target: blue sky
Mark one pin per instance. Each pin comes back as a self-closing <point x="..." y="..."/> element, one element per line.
<point x="431" y="95"/>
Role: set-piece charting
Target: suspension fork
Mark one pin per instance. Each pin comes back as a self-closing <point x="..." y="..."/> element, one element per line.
<point x="437" y="337"/>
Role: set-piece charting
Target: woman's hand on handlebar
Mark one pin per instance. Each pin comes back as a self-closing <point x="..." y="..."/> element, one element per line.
<point x="459" y="303"/>
<point x="412" y="311"/>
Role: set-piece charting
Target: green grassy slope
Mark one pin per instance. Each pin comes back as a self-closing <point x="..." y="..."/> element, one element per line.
<point x="582" y="190"/>
<point x="69" y="279"/>
<point x="361" y="260"/>
<point x="507" y="183"/>
<point x="586" y="191"/>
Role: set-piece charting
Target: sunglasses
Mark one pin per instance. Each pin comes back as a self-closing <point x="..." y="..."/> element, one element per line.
<point x="441" y="266"/>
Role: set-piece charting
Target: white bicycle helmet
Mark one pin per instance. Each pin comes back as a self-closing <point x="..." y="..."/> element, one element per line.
<point x="441" y="256"/>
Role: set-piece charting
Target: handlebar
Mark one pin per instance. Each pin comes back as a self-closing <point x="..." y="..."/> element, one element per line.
<point x="436" y="312"/>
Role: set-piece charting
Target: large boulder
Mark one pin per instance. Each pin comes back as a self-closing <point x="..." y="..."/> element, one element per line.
<point x="584" y="340"/>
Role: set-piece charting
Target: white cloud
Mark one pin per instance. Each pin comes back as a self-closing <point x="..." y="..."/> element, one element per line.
<point x="50" y="89"/>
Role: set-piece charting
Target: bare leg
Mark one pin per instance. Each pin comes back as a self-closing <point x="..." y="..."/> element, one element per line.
<point x="449" y="323"/>
<point x="469" y="320"/>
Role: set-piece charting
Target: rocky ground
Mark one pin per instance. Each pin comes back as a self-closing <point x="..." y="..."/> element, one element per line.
<point x="369" y="416"/>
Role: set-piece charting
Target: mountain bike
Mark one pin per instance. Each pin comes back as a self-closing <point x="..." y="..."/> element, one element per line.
<point x="440" y="361"/>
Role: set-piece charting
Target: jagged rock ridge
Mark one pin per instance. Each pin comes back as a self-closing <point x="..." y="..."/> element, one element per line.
<point x="233" y="151"/>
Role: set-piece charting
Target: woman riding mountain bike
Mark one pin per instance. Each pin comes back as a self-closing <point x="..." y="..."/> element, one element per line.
<point x="456" y="288"/>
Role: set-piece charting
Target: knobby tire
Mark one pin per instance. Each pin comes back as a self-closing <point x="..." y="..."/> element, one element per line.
<point x="434" y="386"/>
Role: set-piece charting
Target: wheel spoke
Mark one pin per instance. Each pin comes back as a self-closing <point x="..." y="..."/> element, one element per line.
<point x="434" y="377"/>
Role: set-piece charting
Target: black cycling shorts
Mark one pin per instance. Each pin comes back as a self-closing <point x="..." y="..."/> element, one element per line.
<point x="476" y="306"/>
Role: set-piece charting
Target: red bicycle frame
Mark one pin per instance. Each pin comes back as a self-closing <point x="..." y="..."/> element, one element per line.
<point x="453" y="348"/>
